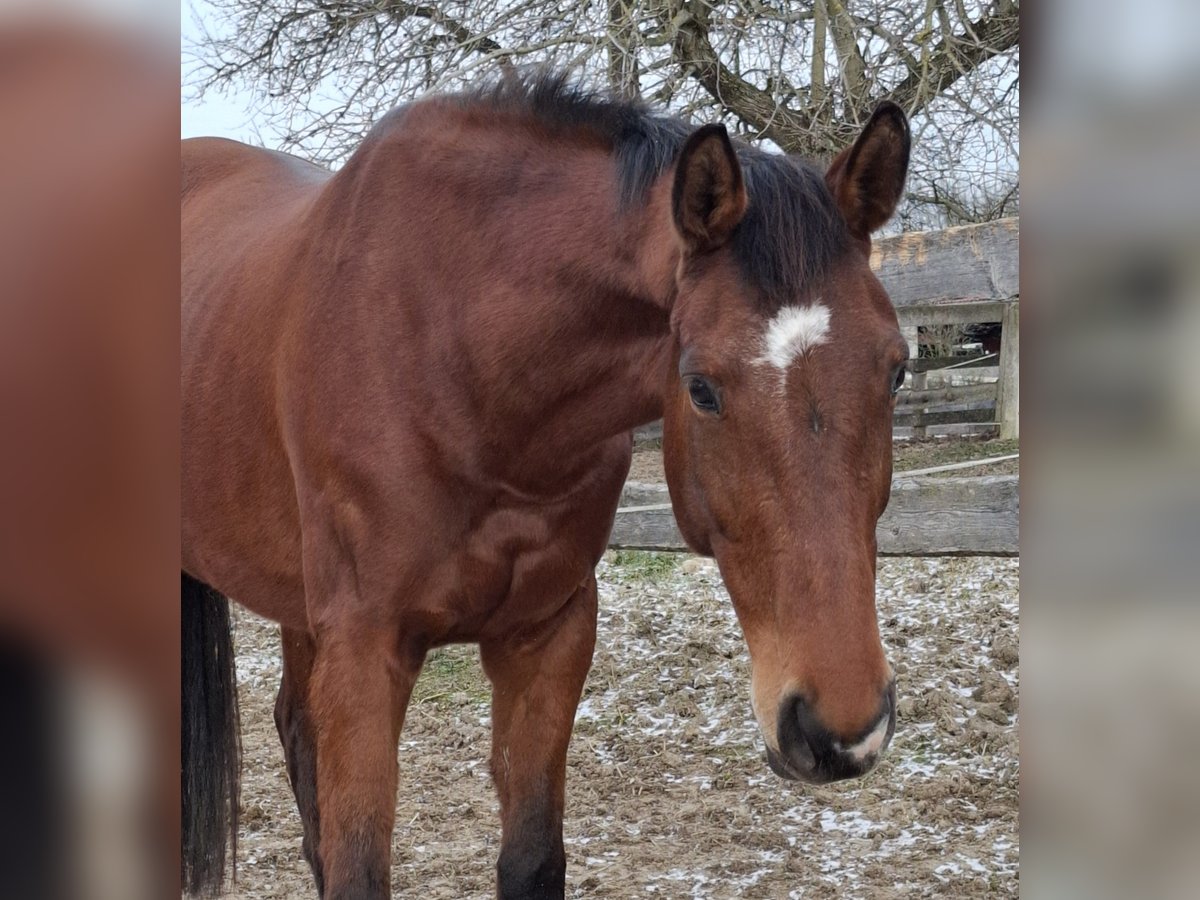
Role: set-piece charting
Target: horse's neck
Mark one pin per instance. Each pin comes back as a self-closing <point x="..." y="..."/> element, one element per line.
<point x="544" y="312"/>
<point x="590" y="348"/>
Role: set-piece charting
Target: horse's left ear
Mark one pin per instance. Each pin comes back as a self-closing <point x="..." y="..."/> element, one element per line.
<point x="867" y="179"/>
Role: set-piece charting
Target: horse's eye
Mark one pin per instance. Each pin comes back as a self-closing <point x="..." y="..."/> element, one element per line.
<point x="898" y="378"/>
<point x="704" y="396"/>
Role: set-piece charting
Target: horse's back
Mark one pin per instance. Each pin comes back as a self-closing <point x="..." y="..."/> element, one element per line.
<point x="242" y="222"/>
<point x="208" y="161"/>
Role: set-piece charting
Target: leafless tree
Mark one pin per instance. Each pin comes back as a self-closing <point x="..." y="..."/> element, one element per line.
<point x="801" y="76"/>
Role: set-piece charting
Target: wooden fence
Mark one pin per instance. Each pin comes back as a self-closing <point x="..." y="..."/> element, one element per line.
<point x="944" y="516"/>
<point x="959" y="276"/>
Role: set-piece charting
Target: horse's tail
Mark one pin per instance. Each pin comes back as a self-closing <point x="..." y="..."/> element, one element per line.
<point x="211" y="739"/>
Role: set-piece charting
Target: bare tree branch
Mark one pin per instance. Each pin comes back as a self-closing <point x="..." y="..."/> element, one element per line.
<point x="956" y="56"/>
<point x="801" y="76"/>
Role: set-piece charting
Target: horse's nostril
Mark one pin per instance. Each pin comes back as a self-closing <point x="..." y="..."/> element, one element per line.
<point x="803" y="741"/>
<point x="810" y="751"/>
<point x="794" y="735"/>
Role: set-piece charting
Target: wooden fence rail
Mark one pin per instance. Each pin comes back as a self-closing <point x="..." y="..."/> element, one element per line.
<point x="950" y="394"/>
<point x="947" y="516"/>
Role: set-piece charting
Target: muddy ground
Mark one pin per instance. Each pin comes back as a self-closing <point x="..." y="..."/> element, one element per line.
<point x="668" y="793"/>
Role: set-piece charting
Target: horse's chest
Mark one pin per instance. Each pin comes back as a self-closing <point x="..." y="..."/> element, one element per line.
<point x="524" y="560"/>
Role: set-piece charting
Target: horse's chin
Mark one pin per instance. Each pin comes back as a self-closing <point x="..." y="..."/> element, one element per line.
<point x="787" y="772"/>
<point x="820" y="775"/>
<point x="778" y="766"/>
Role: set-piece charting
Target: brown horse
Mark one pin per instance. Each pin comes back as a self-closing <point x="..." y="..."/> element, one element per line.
<point x="408" y="390"/>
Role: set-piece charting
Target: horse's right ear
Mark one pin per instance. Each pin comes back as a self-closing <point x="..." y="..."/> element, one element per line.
<point x="709" y="198"/>
<point x="867" y="179"/>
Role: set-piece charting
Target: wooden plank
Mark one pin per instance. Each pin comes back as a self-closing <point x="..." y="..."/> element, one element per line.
<point x="952" y="406"/>
<point x="977" y="261"/>
<point x="1008" y="397"/>
<point x="918" y="380"/>
<point x="956" y="429"/>
<point x="926" y="417"/>
<point x="966" y="361"/>
<point x="925" y="517"/>
<point x="648" y="434"/>
<point x="953" y="313"/>
<point x="643" y="493"/>
<point x="647" y="529"/>
<point x="905" y="431"/>
<point x="950" y="394"/>
<point x="950" y="516"/>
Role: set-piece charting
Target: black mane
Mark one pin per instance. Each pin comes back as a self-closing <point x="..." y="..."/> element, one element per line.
<point x="792" y="231"/>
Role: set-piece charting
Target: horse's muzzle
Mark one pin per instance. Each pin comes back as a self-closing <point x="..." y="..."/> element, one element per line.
<point x="809" y="752"/>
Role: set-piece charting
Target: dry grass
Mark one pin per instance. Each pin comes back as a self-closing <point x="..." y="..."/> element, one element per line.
<point x="923" y="454"/>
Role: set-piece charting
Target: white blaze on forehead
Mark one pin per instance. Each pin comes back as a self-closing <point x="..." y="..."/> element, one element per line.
<point x="794" y="331"/>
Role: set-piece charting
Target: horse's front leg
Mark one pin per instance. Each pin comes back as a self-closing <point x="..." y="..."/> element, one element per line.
<point x="362" y="678"/>
<point x="536" y="682"/>
<point x="293" y="721"/>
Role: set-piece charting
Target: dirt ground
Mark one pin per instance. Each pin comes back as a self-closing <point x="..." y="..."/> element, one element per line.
<point x="668" y="793"/>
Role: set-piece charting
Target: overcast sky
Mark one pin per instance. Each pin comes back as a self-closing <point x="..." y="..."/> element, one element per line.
<point x="221" y="115"/>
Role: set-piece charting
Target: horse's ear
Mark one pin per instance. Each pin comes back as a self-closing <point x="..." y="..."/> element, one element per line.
<point x="709" y="198"/>
<point x="867" y="179"/>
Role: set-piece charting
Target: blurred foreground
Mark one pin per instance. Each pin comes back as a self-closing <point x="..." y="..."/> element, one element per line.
<point x="1111" y="539"/>
<point x="89" y="456"/>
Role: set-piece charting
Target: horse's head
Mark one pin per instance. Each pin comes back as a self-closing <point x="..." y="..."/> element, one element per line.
<point x="778" y="428"/>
